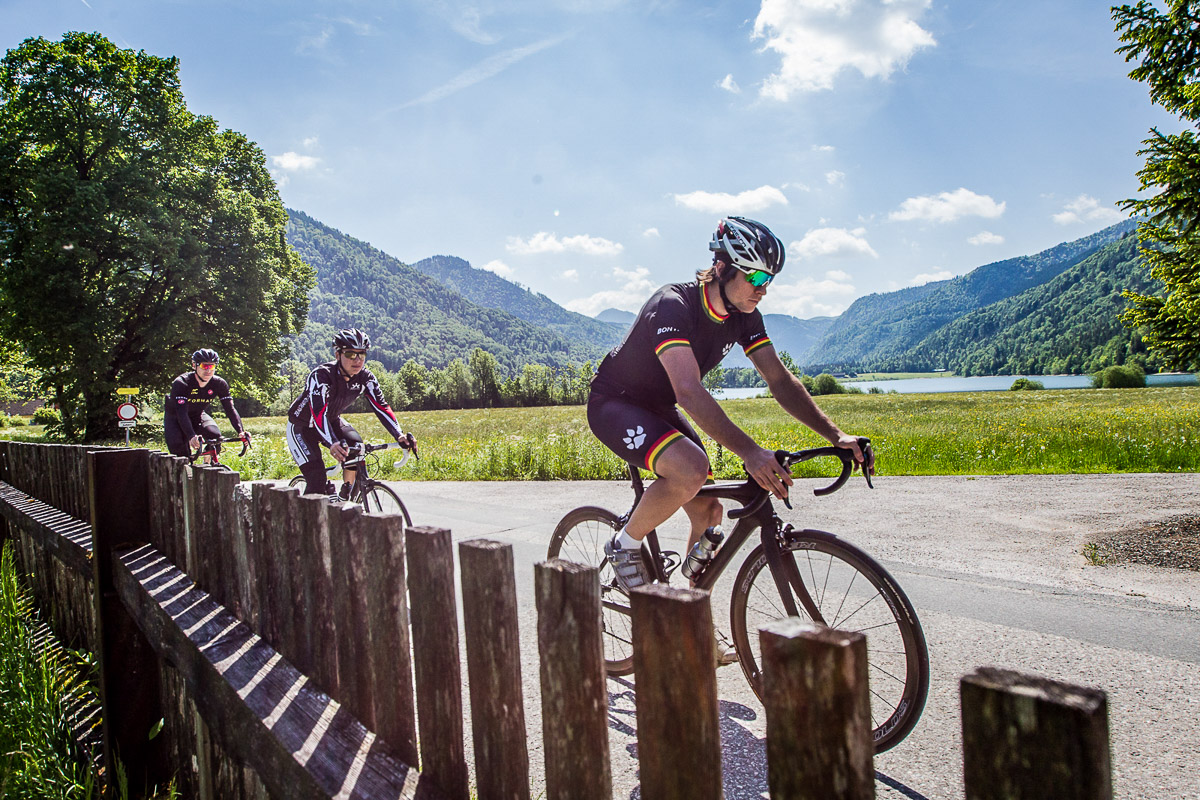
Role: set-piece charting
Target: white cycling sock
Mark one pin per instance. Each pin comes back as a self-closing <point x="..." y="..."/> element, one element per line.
<point x="627" y="542"/>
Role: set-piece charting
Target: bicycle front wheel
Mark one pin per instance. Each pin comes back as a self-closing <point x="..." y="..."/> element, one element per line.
<point x="580" y="538"/>
<point x="381" y="499"/>
<point x="851" y="592"/>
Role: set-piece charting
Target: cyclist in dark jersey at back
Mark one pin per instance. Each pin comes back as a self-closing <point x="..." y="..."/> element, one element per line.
<point x="314" y="419"/>
<point x="185" y="412"/>
<point x="681" y="333"/>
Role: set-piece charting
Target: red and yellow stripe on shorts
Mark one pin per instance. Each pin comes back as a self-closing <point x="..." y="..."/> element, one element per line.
<point x="666" y="440"/>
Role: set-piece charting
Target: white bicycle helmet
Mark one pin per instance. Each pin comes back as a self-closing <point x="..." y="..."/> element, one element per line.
<point x="748" y="245"/>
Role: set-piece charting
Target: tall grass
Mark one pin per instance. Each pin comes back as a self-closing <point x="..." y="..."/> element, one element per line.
<point x="39" y="684"/>
<point x="960" y="433"/>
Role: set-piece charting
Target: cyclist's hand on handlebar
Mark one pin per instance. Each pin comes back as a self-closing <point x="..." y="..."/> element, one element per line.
<point x="409" y="442"/>
<point x="196" y="442"/>
<point x="865" y="458"/>
<point x="769" y="473"/>
<point x="339" y="451"/>
<point x="245" y="436"/>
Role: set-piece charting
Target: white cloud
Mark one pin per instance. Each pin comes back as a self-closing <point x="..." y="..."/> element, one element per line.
<point x="499" y="267"/>
<point x="835" y="177"/>
<point x="310" y="142"/>
<point x="634" y="287"/>
<point x="817" y="39"/>
<point x="725" y="203"/>
<point x="1087" y="208"/>
<point x="948" y="206"/>
<point x="927" y="277"/>
<point x="485" y="69"/>
<point x="291" y="161"/>
<point x="811" y="297"/>
<point x="543" y="242"/>
<point x="835" y="242"/>
<point x="651" y="233"/>
<point x="823" y="148"/>
<point x="730" y="85"/>
<point x="572" y="275"/>
<point x="986" y="237"/>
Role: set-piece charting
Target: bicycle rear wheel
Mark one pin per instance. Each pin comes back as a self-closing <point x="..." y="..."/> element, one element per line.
<point x="381" y="499"/>
<point x="580" y="538"/>
<point x="851" y="592"/>
<point x="299" y="481"/>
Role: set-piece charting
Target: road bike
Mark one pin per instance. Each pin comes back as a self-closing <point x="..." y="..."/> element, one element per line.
<point x="810" y="574"/>
<point x="374" y="496"/>
<point x="210" y="452"/>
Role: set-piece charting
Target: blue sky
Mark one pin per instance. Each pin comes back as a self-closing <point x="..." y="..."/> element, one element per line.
<point x="586" y="148"/>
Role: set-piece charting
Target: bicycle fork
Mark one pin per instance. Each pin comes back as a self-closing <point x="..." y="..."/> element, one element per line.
<point x="785" y="574"/>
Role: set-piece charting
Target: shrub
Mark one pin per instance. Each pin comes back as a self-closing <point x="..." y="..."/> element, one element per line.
<point x="18" y="422"/>
<point x="1021" y="384"/>
<point x="827" y="384"/>
<point x="5" y="420"/>
<point x="46" y="416"/>
<point x="1129" y="376"/>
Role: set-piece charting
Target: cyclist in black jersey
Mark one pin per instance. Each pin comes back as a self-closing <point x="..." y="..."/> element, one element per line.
<point x="185" y="412"/>
<point x="681" y="333"/>
<point x="314" y="418"/>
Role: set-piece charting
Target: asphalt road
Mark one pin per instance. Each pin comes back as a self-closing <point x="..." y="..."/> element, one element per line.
<point x="993" y="565"/>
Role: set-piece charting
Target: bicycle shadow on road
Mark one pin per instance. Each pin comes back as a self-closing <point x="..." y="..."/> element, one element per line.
<point x="743" y="753"/>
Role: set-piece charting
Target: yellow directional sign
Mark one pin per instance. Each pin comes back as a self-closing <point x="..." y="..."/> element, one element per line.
<point x="127" y="391"/>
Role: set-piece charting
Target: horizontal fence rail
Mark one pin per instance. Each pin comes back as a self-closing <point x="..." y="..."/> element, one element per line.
<point x="294" y="648"/>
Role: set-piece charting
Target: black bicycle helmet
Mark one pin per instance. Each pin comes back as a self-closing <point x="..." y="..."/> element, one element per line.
<point x="748" y="245"/>
<point x="205" y="355"/>
<point x="352" y="339"/>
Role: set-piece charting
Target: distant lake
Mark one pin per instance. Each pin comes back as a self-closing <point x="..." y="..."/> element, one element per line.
<point x="979" y="383"/>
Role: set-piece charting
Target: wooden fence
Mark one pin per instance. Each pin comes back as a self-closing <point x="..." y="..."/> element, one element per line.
<point x="296" y="649"/>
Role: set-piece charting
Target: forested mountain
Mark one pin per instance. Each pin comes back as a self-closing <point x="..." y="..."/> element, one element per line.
<point x="1067" y="325"/>
<point x="492" y="291"/>
<point x="408" y="314"/>
<point x="879" y="329"/>
<point x="617" y="316"/>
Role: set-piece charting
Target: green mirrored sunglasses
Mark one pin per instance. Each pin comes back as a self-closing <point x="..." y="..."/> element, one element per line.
<point x="758" y="278"/>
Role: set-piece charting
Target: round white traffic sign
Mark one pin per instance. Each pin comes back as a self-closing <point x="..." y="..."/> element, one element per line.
<point x="127" y="411"/>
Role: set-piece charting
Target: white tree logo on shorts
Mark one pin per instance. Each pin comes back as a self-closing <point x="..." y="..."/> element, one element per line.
<point x="635" y="438"/>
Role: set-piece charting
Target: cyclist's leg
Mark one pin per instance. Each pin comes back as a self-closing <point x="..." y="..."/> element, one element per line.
<point x="305" y="446"/>
<point x="176" y="440"/>
<point x="351" y="437"/>
<point x="661" y="442"/>
<point x="207" y="428"/>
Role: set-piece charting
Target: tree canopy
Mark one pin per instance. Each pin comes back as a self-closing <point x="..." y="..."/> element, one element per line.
<point x="133" y="232"/>
<point x="1164" y="45"/>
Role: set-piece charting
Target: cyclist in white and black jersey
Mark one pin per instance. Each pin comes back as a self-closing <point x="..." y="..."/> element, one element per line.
<point x="185" y="412"/>
<point x="314" y="418"/>
<point x="682" y="332"/>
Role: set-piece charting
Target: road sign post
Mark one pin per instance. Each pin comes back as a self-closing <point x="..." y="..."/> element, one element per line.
<point x="127" y="412"/>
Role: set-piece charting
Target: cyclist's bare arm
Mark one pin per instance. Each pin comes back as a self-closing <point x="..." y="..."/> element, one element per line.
<point x="791" y="395"/>
<point x="684" y="373"/>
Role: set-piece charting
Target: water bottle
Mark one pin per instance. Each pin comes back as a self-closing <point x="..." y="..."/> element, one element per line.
<point x="702" y="553"/>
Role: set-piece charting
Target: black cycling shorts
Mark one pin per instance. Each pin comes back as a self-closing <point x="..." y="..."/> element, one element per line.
<point x="178" y="439"/>
<point x="304" y="443"/>
<point x="637" y="434"/>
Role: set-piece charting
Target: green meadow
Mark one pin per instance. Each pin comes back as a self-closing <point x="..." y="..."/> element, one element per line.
<point x="961" y="433"/>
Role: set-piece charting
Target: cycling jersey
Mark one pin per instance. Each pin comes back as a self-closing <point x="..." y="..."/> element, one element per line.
<point x="188" y="402"/>
<point x="326" y="395"/>
<point x="676" y="315"/>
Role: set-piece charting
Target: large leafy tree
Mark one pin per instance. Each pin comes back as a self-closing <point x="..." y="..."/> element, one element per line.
<point x="1166" y="45"/>
<point x="133" y="232"/>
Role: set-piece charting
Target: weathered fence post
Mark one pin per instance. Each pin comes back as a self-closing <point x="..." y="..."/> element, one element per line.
<point x="118" y="488"/>
<point x="1027" y="737"/>
<point x="679" y="738"/>
<point x="819" y="743"/>
<point x="494" y="670"/>
<point x="574" y="695"/>
<point x="436" y="663"/>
